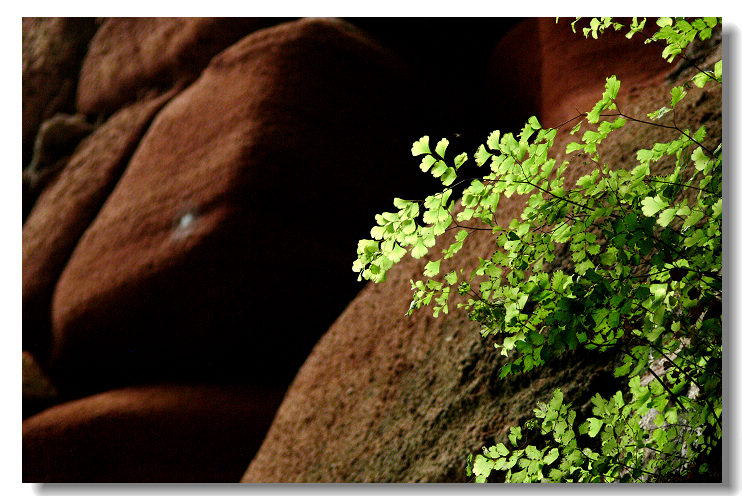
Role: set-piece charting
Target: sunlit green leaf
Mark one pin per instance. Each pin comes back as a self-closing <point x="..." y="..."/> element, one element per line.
<point x="441" y="147"/>
<point x="652" y="205"/>
<point x="482" y="466"/>
<point x="432" y="268"/>
<point x="594" y="426"/>
<point x="677" y="93"/>
<point x="421" y="146"/>
<point x="427" y="162"/>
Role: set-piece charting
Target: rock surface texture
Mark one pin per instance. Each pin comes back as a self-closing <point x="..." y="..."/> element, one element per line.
<point x="131" y="55"/>
<point x="53" y="49"/>
<point x="185" y="257"/>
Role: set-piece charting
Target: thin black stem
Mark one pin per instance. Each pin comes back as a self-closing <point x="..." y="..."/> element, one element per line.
<point x="459" y="226"/>
<point x="689" y="61"/>
<point x="545" y="191"/>
<point x="622" y="465"/>
<point x="659" y="350"/>
<point x="673" y="127"/>
<point x="689" y="377"/>
<point x="684" y="186"/>
<point x="662" y="383"/>
<point x="570" y="120"/>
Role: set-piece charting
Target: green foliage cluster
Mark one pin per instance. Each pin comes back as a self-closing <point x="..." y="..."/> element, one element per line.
<point x="643" y="279"/>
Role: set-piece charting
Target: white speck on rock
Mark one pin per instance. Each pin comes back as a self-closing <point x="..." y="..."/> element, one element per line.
<point x="185" y="222"/>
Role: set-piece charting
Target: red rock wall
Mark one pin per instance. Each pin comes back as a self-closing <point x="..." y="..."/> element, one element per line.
<point x="542" y="68"/>
<point x="219" y="214"/>
<point x="68" y="206"/>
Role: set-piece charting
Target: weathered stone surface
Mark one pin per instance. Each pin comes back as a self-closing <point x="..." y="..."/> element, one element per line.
<point x="389" y="398"/>
<point x="53" y="49"/>
<point x="163" y="433"/>
<point x="55" y="142"/>
<point x="67" y="207"/>
<point x="128" y="55"/>
<point x="233" y="229"/>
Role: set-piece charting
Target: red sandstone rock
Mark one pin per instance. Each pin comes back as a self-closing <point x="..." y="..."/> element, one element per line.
<point x="380" y="397"/>
<point x="562" y="73"/>
<point x="53" y="49"/>
<point x="575" y="68"/>
<point x="163" y="433"/>
<point x="226" y="246"/>
<point x="128" y="55"/>
<point x="67" y="207"/>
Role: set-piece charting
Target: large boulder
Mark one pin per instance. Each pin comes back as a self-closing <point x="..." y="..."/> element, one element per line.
<point x="159" y="433"/>
<point x="68" y="206"/>
<point x="225" y="248"/>
<point x="130" y="55"/>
